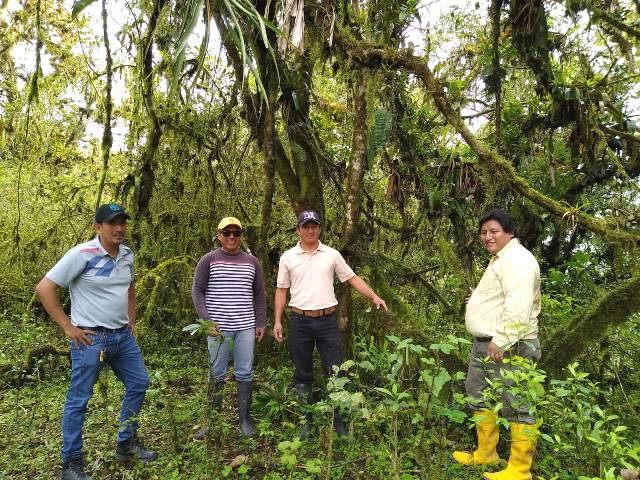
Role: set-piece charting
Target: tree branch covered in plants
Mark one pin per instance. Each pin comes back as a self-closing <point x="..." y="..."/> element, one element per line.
<point x="374" y="56"/>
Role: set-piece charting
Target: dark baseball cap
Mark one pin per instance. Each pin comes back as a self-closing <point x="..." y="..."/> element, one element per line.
<point x="308" y="216"/>
<point x="109" y="211"/>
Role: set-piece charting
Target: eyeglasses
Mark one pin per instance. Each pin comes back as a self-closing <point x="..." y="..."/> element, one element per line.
<point x="229" y="233"/>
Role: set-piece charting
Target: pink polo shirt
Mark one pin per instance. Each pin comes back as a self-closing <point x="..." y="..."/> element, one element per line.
<point x="309" y="276"/>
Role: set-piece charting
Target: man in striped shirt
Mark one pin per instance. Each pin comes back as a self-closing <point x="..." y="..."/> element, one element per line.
<point x="228" y="289"/>
<point x="502" y="315"/>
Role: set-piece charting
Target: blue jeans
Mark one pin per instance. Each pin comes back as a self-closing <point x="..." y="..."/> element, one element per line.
<point x="220" y="347"/>
<point x="123" y="355"/>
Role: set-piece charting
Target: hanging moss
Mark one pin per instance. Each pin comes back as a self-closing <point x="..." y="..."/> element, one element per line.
<point x="531" y="38"/>
<point x="163" y="280"/>
<point x="502" y="171"/>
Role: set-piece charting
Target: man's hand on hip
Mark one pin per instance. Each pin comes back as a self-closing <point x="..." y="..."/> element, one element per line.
<point x="79" y="336"/>
<point x="277" y="332"/>
<point x="469" y="293"/>
<point x="260" y="333"/>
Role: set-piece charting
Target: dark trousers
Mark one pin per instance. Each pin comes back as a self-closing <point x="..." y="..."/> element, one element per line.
<point x="481" y="373"/>
<point x="306" y="332"/>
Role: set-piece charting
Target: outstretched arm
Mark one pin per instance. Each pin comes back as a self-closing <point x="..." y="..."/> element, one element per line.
<point x="362" y="287"/>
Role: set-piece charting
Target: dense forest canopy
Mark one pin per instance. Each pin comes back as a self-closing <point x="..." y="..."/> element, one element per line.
<point x="401" y="122"/>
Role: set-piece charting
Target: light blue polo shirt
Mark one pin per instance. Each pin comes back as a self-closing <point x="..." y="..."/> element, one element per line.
<point x="98" y="284"/>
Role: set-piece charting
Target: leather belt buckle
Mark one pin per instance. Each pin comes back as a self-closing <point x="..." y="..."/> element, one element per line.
<point x="314" y="313"/>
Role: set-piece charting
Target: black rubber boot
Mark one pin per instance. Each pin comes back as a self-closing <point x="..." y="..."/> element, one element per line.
<point x="304" y="398"/>
<point x="216" y="395"/>
<point x="339" y="425"/>
<point x="73" y="469"/>
<point x="244" y="407"/>
<point x="133" y="448"/>
<point x="215" y="403"/>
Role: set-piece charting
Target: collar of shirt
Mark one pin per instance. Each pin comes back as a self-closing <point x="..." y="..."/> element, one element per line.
<point x="122" y="249"/>
<point x="505" y="249"/>
<point x="229" y="254"/>
<point x="299" y="250"/>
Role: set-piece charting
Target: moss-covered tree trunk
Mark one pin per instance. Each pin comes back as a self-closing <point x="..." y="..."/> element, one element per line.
<point x="296" y="152"/>
<point x="145" y="173"/>
<point x="357" y="167"/>
<point x="608" y="311"/>
<point x="107" y="136"/>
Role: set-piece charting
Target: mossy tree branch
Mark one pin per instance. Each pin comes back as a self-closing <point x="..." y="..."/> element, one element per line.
<point x="610" y="310"/>
<point x="606" y="17"/>
<point x="374" y="56"/>
<point x="298" y="169"/>
<point x="432" y="290"/>
<point x="353" y="187"/>
<point x="530" y="36"/>
<point x="496" y="77"/>
<point x="357" y="164"/>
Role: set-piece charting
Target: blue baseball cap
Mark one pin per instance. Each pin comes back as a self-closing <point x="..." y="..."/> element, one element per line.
<point x="109" y="211"/>
<point x="308" y="216"/>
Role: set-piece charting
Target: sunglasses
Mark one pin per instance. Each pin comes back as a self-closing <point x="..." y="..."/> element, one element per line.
<point x="229" y="233"/>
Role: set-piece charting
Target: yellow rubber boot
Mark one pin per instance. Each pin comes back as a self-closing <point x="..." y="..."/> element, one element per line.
<point x="523" y="447"/>
<point x="488" y="437"/>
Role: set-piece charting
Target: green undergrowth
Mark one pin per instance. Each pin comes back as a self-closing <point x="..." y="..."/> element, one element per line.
<point x="404" y="409"/>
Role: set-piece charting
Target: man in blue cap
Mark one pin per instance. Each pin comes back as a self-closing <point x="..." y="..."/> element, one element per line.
<point x="307" y="271"/>
<point x="99" y="276"/>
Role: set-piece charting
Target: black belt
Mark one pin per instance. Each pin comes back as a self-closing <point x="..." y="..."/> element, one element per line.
<point x="483" y="339"/>
<point x="104" y="329"/>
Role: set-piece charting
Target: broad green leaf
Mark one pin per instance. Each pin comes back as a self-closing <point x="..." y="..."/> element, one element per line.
<point x="190" y="25"/>
<point x="384" y="391"/>
<point x="443" y="347"/>
<point x="79" y="6"/>
<point x="439" y="381"/>
<point x="457" y="416"/>
<point x="313" y="466"/>
<point x="366" y="365"/>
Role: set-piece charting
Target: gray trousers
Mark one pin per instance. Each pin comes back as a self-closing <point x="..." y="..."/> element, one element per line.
<point x="481" y="372"/>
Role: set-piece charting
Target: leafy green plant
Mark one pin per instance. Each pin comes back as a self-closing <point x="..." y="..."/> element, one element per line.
<point x="289" y="450"/>
<point x="405" y="356"/>
<point x="581" y="425"/>
<point x="395" y="403"/>
<point x="573" y="423"/>
<point x="350" y="405"/>
<point x="434" y="376"/>
<point x="275" y="398"/>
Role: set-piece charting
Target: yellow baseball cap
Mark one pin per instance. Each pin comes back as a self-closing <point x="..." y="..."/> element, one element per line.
<point x="226" y="221"/>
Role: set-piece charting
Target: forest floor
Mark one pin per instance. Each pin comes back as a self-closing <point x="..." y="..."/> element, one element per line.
<point x="174" y="410"/>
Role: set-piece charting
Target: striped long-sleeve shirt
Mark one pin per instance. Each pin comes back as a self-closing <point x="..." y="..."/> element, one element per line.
<point x="229" y="289"/>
